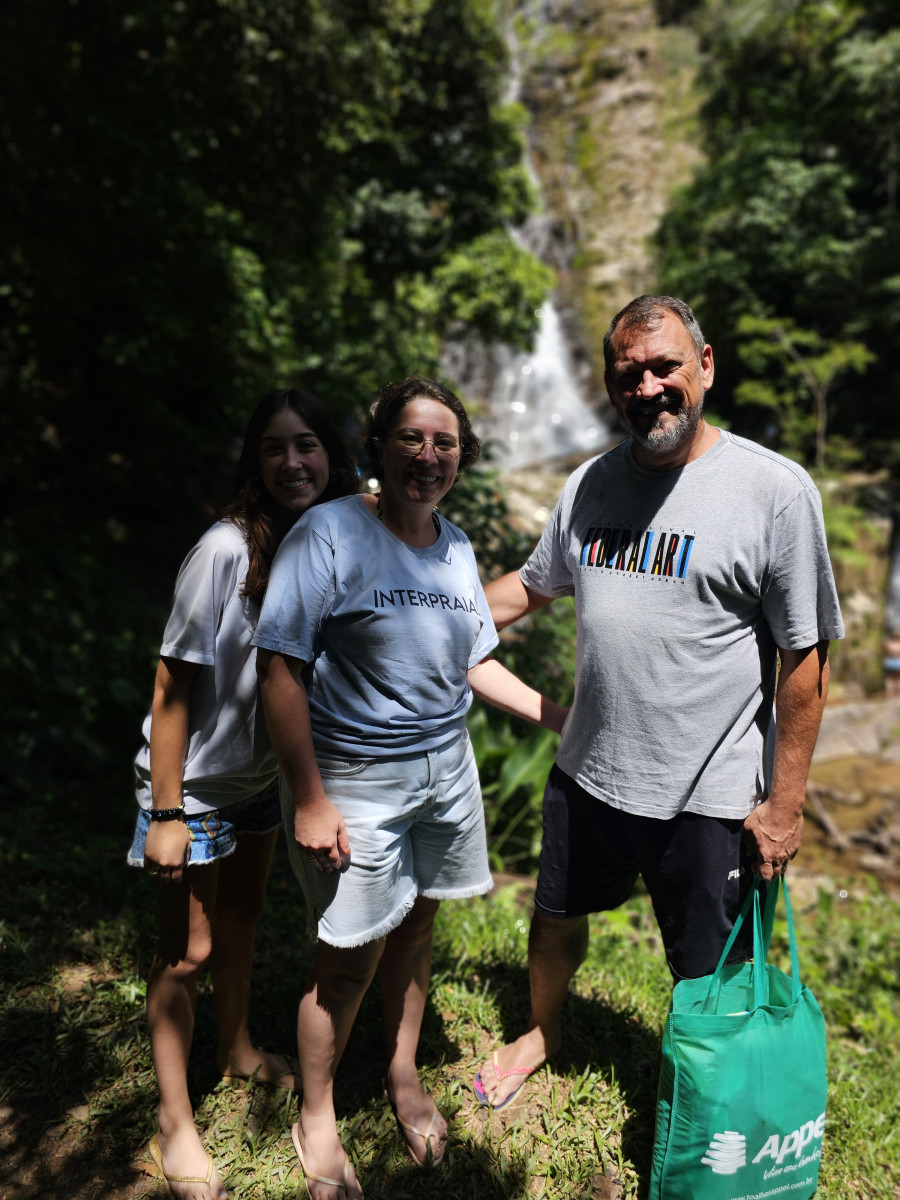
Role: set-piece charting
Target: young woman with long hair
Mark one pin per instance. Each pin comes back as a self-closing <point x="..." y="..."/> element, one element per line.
<point x="206" y="774"/>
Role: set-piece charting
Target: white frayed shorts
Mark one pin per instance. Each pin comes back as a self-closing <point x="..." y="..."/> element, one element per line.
<point x="416" y="828"/>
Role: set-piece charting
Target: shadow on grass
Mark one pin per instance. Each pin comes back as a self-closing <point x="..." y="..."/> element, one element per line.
<point x="596" y="1036"/>
<point x="77" y="1088"/>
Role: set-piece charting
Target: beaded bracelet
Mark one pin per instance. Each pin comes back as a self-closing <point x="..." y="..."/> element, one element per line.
<point x="166" y="814"/>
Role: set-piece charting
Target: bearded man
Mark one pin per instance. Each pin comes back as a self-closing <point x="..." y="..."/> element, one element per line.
<point x="697" y="560"/>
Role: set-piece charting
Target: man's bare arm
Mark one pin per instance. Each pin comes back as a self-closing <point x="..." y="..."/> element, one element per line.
<point x="509" y="599"/>
<point x="776" y="825"/>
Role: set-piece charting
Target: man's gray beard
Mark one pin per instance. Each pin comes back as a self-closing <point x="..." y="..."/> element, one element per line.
<point x="675" y="436"/>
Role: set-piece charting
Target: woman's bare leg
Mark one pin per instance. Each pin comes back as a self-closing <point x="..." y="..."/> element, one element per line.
<point x="243" y="877"/>
<point x="327" y="1012"/>
<point x="405" y="972"/>
<point x="183" y="950"/>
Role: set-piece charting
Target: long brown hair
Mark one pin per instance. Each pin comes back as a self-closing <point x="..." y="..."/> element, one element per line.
<point x="253" y="510"/>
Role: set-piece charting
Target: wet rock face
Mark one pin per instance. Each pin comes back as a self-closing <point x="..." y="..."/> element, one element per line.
<point x="606" y="89"/>
<point x="611" y="94"/>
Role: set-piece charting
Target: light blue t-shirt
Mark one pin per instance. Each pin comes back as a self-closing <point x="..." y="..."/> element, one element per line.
<point x="388" y="630"/>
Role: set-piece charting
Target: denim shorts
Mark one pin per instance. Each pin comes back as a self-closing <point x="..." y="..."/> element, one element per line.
<point x="214" y="833"/>
<point x="416" y="828"/>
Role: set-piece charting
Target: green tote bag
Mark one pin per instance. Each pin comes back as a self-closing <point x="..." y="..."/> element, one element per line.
<point x="741" y="1104"/>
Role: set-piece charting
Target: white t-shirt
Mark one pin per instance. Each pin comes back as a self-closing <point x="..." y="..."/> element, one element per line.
<point x="685" y="582"/>
<point x="389" y="630"/>
<point x="229" y="756"/>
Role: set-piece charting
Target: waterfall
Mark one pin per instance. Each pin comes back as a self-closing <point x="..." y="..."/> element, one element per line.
<point x="529" y="407"/>
<point x="534" y="412"/>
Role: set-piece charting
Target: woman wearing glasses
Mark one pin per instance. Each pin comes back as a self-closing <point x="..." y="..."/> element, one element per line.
<point x="374" y="633"/>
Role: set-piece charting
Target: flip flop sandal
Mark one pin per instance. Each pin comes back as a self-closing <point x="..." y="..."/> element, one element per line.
<point x="430" y="1160"/>
<point x="481" y="1095"/>
<point x="310" y="1176"/>
<point x="156" y="1155"/>
<point x="289" y="1069"/>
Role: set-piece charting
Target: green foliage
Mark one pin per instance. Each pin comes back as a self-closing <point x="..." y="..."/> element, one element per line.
<point x="75" y="1061"/>
<point x="495" y="286"/>
<point x="479" y="506"/>
<point x="70" y="682"/>
<point x="202" y="202"/>
<point x="541" y="649"/>
<point x="793" y="372"/>
<point x="514" y="758"/>
<point x="514" y="769"/>
<point x="794" y="218"/>
<point x="848" y="526"/>
<point x="849" y="949"/>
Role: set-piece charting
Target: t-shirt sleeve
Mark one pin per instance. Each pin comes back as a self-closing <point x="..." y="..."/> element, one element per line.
<point x="299" y="595"/>
<point x="547" y="570"/>
<point x="799" y="599"/>
<point x="207" y="582"/>
<point x="487" y="638"/>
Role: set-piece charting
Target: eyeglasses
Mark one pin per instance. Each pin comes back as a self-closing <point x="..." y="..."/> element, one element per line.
<point x="414" y="441"/>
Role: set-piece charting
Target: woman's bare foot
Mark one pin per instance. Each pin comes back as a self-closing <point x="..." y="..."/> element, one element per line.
<point x="181" y="1153"/>
<point x="276" y="1070"/>
<point x="506" y="1070"/>
<point x="423" y="1128"/>
<point x="329" y="1172"/>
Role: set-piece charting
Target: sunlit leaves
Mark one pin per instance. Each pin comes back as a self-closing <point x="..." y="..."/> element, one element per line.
<point x="794" y="218"/>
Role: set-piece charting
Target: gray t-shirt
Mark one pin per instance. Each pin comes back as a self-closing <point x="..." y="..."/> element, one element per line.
<point x="685" y="582"/>
<point x="389" y="630"/>
<point x="229" y="756"/>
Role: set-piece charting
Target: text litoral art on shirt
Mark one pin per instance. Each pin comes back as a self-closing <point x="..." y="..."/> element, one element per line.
<point x="661" y="555"/>
<point x="414" y="598"/>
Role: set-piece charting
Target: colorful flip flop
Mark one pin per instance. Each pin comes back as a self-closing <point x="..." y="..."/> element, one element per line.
<point x="481" y="1095"/>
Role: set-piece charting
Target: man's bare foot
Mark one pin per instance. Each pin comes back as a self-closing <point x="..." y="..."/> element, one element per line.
<point x="188" y="1170"/>
<point x="275" y="1070"/>
<point x="508" y="1068"/>
<point x="329" y="1172"/>
<point x="423" y="1128"/>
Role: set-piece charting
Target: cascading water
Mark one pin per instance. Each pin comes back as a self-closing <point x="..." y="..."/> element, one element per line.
<point x="533" y="412"/>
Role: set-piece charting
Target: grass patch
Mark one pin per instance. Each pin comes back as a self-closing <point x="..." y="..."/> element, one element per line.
<point x="78" y="1094"/>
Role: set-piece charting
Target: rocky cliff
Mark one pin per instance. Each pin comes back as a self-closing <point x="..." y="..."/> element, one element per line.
<point x="613" y="96"/>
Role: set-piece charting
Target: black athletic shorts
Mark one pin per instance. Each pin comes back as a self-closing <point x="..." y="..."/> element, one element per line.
<point x="694" y="867"/>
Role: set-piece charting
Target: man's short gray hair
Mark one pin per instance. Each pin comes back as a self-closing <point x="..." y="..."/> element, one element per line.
<point x="648" y="312"/>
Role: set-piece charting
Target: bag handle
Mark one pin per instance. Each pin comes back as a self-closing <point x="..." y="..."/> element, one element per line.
<point x="762" y="937"/>
<point x="796" y="986"/>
